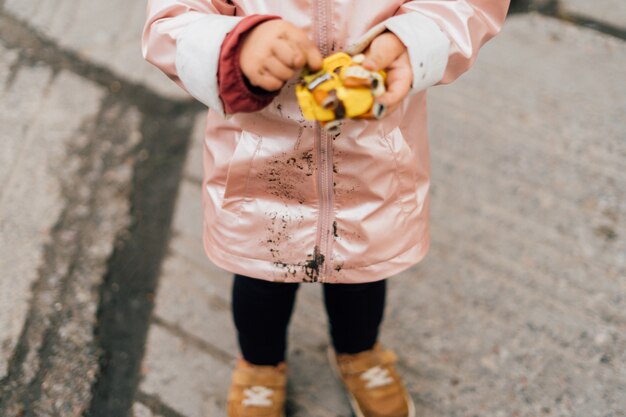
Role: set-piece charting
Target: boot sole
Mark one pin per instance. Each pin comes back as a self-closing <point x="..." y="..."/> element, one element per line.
<point x="353" y="402"/>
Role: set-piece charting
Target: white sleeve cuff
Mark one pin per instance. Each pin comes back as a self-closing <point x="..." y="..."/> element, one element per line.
<point x="197" y="57"/>
<point x="427" y="45"/>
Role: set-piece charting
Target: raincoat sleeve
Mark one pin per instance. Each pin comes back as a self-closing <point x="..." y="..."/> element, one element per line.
<point x="236" y="92"/>
<point x="442" y="37"/>
<point x="183" y="38"/>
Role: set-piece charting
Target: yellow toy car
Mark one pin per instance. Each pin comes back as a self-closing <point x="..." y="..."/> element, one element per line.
<point x="341" y="89"/>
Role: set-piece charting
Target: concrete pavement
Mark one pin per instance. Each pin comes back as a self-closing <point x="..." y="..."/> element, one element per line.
<point x="518" y="310"/>
<point x="103" y="33"/>
<point x="64" y="198"/>
<point x="611" y="12"/>
<point x="76" y="138"/>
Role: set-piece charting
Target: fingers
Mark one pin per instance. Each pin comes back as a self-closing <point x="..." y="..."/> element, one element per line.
<point x="296" y="50"/>
<point x="308" y="48"/>
<point x="285" y="59"/>
<point x="275" y="67"/>
<point x="399" y="81"/>
<point x="398" y="86"/>
<point x="383" y="51"/>
<point x="289" y="54"/>
<point x="313" y="57"/>
<point x="266" y="81"/>
<point x="259" y="75"/>
<point x="273" y="52"/>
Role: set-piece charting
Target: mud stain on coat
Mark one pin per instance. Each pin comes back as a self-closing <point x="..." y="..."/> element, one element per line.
<point x="342" y="189"/>
<point x="277" y="230"/>
<point x="311" y="266"/>
<point x="345" y="192"/>
<point x="278" y="234"/>
<point x="285" y="176"/>
<point x="307" y="157"/>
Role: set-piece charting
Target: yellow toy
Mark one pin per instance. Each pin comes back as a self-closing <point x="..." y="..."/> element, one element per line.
<point x="341" y="89"/>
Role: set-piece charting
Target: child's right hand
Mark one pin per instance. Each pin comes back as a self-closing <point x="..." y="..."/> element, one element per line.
<point x="273" y="51"/>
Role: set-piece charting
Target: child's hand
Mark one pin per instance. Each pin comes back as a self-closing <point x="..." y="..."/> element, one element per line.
<point x="273" y="52"/>
<point x="387" y="52"/>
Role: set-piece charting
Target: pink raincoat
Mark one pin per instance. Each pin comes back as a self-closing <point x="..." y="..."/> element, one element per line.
<point x="283" y="200"/>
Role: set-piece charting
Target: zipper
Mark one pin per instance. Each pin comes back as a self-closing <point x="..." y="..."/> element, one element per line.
<point x="323" y="142"/>
<point x="326" y="197"/>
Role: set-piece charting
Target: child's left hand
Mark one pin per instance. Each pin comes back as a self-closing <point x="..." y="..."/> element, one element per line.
<point x="387" y="52"/>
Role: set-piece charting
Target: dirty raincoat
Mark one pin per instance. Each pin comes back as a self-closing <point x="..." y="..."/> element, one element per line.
<point x="282" y="199"/>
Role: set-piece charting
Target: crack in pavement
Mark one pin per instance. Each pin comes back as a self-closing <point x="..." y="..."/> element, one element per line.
<point x="127" y="293"/>
<point x="527" y="6"/>
<point x="209" y="348"/>
<point x="57" y="338"/>
<point x="555" y="9"/>
<point x="125" y="296"/>
<point x="156" y="405"/>
<point x="590" y="23"/>
<point x="35" y="47"/>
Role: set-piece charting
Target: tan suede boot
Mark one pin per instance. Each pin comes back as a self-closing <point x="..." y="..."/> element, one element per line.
<point x="372" y="383"/>
<point x="257" y="390"/>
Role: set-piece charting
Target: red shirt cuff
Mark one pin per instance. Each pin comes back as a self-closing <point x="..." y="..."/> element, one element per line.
<point x="237" y="94"/>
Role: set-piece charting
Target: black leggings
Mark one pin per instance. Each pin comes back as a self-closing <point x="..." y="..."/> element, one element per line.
<point x="262" y="310"/>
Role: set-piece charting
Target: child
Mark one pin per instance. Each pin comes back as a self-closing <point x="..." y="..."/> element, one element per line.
<point x="284" y="201"/>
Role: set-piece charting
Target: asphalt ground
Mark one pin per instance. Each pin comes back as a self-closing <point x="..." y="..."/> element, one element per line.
<point x="518" y="309"/>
